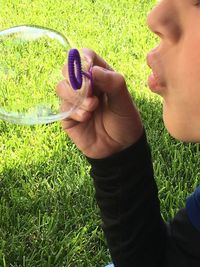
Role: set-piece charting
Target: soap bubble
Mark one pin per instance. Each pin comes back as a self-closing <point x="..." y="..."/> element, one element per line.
<point x="31" y="62"/>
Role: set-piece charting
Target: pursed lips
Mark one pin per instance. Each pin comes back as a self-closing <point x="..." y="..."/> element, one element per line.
<point x="155" y="81"/>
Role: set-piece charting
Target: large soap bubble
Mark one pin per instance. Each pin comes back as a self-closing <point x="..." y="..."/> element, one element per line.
<point x="31" y="62"/>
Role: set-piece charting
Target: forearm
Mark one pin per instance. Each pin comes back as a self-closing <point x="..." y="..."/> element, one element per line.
<point x="127" y="197"/>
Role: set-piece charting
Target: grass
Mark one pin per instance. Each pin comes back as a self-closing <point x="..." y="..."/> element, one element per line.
<point x="48" y="214"/>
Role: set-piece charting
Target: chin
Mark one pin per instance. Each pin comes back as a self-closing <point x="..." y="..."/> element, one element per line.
<point x="181" y="131"/>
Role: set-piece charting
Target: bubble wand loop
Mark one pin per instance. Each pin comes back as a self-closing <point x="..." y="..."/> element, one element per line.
<point x="75" y="70"/>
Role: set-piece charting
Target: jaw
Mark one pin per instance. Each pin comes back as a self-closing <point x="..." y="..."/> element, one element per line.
<point x="181" y="125"/>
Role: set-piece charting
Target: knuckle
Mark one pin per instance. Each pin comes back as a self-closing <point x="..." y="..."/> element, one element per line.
<point x="59" y="86"/>
<point x="83" y="116"/>
<point x="89" y="55"/>
<point x="121" y="80"/>
<point x="92" y="104"/>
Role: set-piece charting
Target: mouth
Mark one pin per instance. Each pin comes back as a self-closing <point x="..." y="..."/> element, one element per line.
<point x="155" y="81"/>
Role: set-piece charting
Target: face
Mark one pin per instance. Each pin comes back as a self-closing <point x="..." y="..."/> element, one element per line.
<point x="175" y="65"/>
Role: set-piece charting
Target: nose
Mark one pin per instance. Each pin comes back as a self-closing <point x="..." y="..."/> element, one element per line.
<point x="153" y="21"/>
<point x="163" y="21"/>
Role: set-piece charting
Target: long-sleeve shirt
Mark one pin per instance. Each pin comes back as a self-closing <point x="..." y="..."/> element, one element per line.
<point x="136" y="234"/>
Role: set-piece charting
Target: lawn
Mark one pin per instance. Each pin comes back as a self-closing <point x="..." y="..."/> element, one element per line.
<point x="48" y="213"/>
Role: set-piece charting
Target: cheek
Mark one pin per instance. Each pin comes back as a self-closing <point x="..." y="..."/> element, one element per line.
<point x="188" y="63"/>
<point x="183" y="73"/>
<point x="182" y="99"/>
<point x="181" y="107"/>
<point x="187" y="83"/>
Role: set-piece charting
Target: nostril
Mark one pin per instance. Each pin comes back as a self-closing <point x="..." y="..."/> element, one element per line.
<point x="159" y="34"/>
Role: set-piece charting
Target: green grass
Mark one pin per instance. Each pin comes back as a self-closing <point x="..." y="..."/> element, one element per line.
<point x="48" y="214"/>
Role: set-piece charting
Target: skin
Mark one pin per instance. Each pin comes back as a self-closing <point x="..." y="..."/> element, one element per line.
<point x="177" y="61"/>
<point x="108" y="120"/>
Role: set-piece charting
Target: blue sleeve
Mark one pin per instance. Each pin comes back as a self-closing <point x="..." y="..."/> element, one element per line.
<point x="193" y="208"/>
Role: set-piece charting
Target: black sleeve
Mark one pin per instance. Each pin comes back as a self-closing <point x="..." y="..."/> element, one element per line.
<point x="127" y="196"/>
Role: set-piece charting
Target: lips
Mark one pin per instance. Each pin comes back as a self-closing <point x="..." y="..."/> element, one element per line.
<point x="155" y="82"/>
<point x="152" y="82"/>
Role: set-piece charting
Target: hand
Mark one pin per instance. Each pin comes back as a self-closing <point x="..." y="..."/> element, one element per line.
<point x="106" y="121"/>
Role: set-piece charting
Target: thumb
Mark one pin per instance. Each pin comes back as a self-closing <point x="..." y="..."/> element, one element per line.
<point x="108" y="81"/>
<point x="114" y="86"/>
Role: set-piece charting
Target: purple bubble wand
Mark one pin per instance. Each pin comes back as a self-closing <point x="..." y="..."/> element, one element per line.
<point x="75" y="70"/>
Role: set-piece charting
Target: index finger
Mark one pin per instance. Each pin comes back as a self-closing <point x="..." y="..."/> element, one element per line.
<point x="94" y="59"/>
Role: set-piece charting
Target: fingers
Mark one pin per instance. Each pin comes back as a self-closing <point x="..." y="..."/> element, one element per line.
<point x="105" y="82"/>
<point x="79" y="116"/>
<point x="108" y="81"/>
<point x="94" y="60"/>
<point x="114" y="86"/>
<point x="73" y="100"/>
<point x="65" y="92"/>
